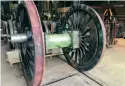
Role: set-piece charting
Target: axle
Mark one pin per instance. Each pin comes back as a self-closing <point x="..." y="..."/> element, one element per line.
<point x="62" y="40"/>
<point x="18" y="38"/>
<point x="58" y="40"/>
<point x="52" y="40"/>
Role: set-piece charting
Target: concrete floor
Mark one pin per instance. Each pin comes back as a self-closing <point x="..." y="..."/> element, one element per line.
<point x="109" y="72"/>
<point x="10" y="75"/>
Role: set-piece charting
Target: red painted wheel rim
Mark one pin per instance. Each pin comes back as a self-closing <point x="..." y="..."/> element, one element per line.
<point x="38" y="39"/>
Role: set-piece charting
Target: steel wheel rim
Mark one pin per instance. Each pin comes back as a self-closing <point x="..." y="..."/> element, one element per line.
<point x="100" y="39"/>
<point x="38" y="58"/>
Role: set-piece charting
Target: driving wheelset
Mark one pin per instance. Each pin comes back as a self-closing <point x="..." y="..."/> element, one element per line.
<point x="82" y="39"/>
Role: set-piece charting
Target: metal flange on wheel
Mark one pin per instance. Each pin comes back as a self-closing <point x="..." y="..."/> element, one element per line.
<point x="32" y="50"/>
<point x="82" y="39"/>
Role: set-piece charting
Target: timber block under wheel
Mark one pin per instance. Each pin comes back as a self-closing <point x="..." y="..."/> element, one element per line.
<point x="13" y="56"/>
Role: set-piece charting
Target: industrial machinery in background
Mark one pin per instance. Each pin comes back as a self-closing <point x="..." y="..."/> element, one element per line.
<point x="119" y="13"/>
<point x="8" y="14"/>
<point x="113" y="16"/>
<point x="111" y="24"/>
<point x="42" y="26"/>
<point x="121" y="30"/>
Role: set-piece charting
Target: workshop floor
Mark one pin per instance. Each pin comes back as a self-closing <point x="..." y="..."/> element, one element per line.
<point x="111" y="69"/>
<point x="109" y="72"/>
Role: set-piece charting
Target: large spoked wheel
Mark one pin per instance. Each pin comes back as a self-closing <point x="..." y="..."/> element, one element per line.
<point x="32" y="51"/>
<point x="92" y="38"/>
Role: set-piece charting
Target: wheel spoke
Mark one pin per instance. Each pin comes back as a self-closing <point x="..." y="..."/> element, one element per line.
<point x="21" y="16"/>
<point x="72" y="53"/>
<point x="86" y="30"/>
<point x="76" y="55"/>
<point x="81" y="18"/>
<point x="87" y="22"/>
<point x="82" y="21"/>
<point x="85" y="37"/>
<point x="30" y="55"/>
<point x="72" y="21"/>
<point x="75" y="19"/>
<point x="84" y="46"/>
<point x="27" y="65"/>
<point x="80" y="52"/>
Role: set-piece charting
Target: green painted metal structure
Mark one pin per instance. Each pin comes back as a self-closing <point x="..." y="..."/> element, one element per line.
<point x="58" y="40"/>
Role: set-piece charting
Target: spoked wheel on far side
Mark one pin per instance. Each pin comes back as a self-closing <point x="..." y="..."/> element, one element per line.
<point x="88" y="23"/>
